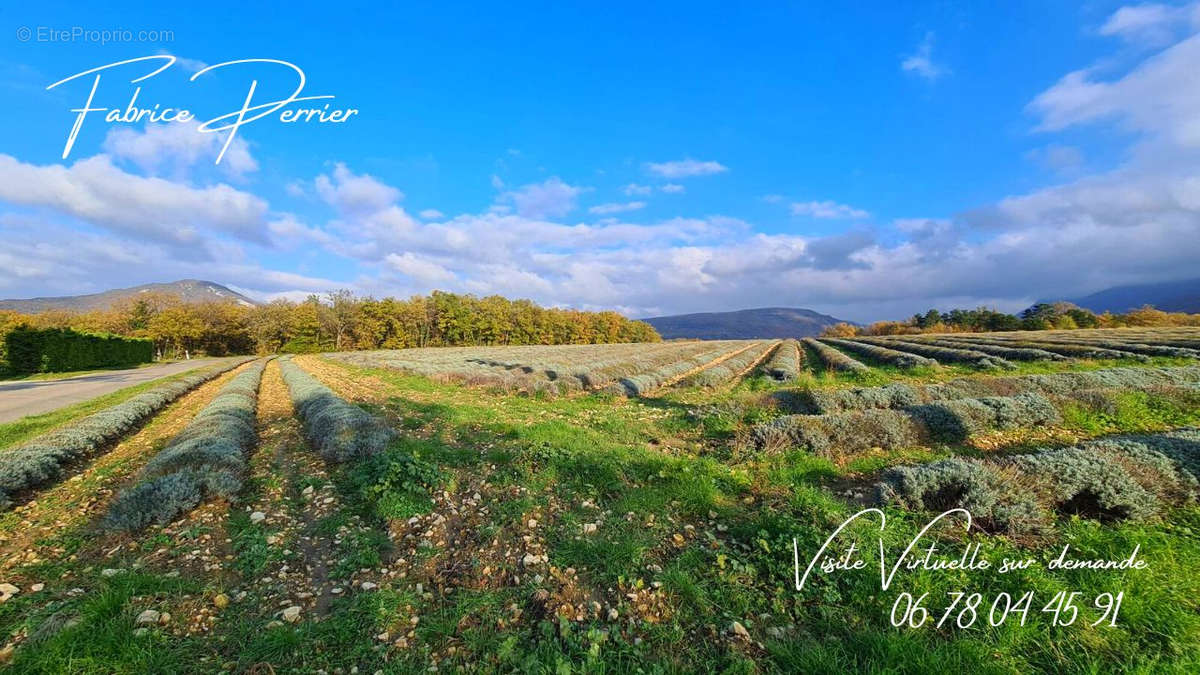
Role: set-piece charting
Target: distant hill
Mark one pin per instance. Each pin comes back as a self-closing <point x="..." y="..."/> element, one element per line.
<point x="1169" y="296"/>
<point x="191" y="290"/>
<point x="768" y="322"/>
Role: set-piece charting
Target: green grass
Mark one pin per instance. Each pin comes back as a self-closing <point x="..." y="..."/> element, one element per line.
<point x="26" y="428"/>
<point x="616" y="453"/>
<point x="645" y="471"/>
<point x="1133" y="411"/>
<point x="94" y="631"/>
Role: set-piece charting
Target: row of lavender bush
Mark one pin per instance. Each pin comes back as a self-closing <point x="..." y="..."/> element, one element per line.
<point x="886" y="355"/>
<point x="943" y="421"/>
<point x="833" y="359"/>
<point x="1124" y="477"/>
<point x="338" y="430"/>
<point x="207" y="458"/>
<point x="787" y="361"/>
<point x="41" y="460"/>
<point x="901" y="395"/>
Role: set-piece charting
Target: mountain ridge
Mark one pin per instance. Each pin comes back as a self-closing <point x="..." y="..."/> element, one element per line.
<point x="762" y="322"/>
<point x="1169" y="296"/>
<point x="190" y="290"/>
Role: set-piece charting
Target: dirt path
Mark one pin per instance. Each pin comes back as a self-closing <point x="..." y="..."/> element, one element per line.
<point x="28" y="532"/>
<point x="34" y="397"/>
<point x="290" y="529"/>
<point x="463" y="543"/>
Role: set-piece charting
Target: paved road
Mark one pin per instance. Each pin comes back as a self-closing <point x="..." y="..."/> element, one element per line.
<point x="34" y="397"/>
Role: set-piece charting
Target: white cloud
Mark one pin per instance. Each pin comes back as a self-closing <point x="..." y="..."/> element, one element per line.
<point x="921" y="62"/>
<point x="683" y="168"/>
<point x="672" y="188"/>
<point x="551" y="198"/>
<point x="44" y="257"/>
<point x="1135" y="223"/>
<point x="431" y="214"/>
<point x="614" y="207"/>
<point x="827" y="210"/>
<point x="360" y="193"/>
<point x="1151" y="25"/>
<point x="1061" y="158"/>
<point x="421" y="269"/>
<point x="635" y="189"/>
<point x="1155" y="98"/>
<point x="189" y="65"/>
<point x="176" y="147"/>
<point x="96" y="191"/>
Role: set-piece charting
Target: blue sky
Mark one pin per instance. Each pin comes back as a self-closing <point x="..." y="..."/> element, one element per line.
<point x="868" y="162"/>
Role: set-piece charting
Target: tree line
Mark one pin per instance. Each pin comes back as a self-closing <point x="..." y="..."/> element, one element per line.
<point x="1042" y="316"/>
<point x="339" y="321"/>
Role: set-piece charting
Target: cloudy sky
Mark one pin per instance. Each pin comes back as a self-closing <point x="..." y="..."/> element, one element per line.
<point x="681" y="157"/>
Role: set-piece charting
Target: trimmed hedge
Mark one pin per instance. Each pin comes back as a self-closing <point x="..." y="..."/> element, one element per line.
<point x="1135" y="347"/>
<point x="339" y="431"/>
<point x="645" y="382"/>
<point x="57" y="350"/>
<point x="946" y="421"/>
<point x="943" y="354"/>
<point x="834" y="359"/>
<point x="884" y="354"/>
<point x="1010" y="353"/>
<point x="902" y="395"/>
<point x="728" y="369"/>
<point x="1078" y="351"/>
<point x="207" y="458"/>
<point x="959" y="419"/>
<point x="1130" y="477"/>
<point x="981" y="488"/>
<point x="785" y="364"/>
<point x="40" y="460"/>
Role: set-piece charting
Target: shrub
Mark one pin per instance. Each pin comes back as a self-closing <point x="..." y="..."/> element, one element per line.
<point x="826" y="401"/>
<point x="830" y="435"/>
<point x="1079" y="351"/>
<point x="1181" y="447"/>
<point x="884" y="354"/>
<point x="730" y="368"/>
<point x="1078" y="481"/>
<point x="56" y="350"/>
<point x="642" y="383"/>
<point x="981" y="488"/>
<point x="155" y="501"/>
<point x="947" y="421"/>
<point x="41" y="459"/>
<point x="943" y="354"/>
<point x="832" y="359"/>
<point x="1172" y="342"/>
<point x="787" y="360"/>
<point x="957" y="420"/>
<point x="1122" y="477"/>
<point x="207" y="458"/>
<point x="900" y="395"/>
<point x="339" y="431"/>
<point x="1009" y="353"/>
<point x="553" y="369"/>
<point x="1142" y="348"/>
